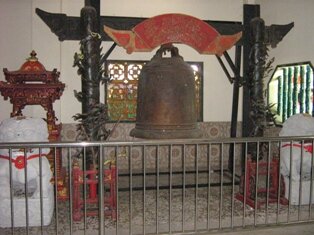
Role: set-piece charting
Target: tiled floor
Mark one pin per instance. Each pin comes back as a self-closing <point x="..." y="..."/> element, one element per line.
<point x="189" y="210"/>
<point x="303" y="229"/>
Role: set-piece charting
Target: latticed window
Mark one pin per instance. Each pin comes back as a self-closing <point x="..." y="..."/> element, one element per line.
<point x="122" y="90"/>
<point x="290" y="90"/>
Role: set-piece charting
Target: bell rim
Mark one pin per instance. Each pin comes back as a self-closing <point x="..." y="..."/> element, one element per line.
<point x="166" y="133"/>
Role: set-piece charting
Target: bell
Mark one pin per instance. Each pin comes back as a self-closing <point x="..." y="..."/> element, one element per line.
<point x="166" y="98"/>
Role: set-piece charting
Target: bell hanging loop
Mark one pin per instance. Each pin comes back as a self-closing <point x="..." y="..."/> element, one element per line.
<point x="174" y="51"/>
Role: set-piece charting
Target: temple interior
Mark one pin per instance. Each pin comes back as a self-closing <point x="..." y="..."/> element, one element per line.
<point x="198" y="113"/>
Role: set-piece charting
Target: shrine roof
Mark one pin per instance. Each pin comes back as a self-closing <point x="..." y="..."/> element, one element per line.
<point x="32" y="71"/>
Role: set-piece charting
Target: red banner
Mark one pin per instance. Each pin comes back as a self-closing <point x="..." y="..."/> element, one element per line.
<point x="173" y="28"/>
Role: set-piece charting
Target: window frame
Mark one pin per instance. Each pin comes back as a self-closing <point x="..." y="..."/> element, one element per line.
<point x="269" y="103"/>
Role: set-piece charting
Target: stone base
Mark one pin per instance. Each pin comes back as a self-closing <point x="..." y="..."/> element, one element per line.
<point x="34" y="211"/>
<point x="296" y="190"/>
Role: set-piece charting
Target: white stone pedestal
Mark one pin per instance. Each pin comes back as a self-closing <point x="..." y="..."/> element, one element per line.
<point x="34" y="210"/>
<point x="296" y="191"/>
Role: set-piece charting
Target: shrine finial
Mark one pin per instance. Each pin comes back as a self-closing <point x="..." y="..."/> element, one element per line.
<point x="32" y="57"/>
<point x="33" y="53"/>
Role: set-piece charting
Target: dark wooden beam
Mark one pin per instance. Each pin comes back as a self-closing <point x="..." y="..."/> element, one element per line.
<point x="68" y="27"/>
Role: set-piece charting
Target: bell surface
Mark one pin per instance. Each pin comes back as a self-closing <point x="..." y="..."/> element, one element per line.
<point x="166" y="99"/>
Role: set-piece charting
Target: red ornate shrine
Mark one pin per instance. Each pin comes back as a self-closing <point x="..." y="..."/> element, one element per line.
<point x="32" y="84"/>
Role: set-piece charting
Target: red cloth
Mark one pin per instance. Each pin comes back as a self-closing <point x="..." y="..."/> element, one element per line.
<point x="20" y="161"/>
<point x="307" y="148"/>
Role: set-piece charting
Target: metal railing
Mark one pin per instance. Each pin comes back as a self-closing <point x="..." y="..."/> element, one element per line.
<point x="156" y="187"/>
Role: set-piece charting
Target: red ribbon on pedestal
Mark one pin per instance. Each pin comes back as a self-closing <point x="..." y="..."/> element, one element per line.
<point x="20" y="161"/>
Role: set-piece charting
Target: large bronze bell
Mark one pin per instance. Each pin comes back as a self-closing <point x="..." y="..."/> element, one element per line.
<point x="166" y="98"/>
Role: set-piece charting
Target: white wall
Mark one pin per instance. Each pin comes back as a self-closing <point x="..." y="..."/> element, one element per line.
<point x="15" y="40"/>
<point x="22" y="30"/>
<point x="298" y="45"/>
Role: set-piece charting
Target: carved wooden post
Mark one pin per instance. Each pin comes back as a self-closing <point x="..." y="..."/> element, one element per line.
<point x="257" y="66"/>
<point x="249" y="12"/>
<point x="258" y="62"/>
<point x="91" y="60"/>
